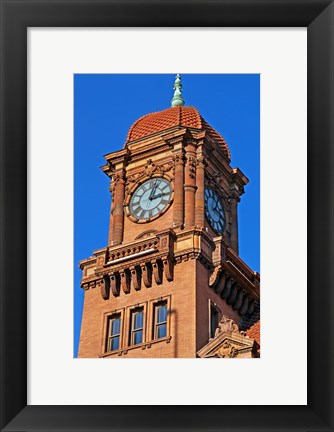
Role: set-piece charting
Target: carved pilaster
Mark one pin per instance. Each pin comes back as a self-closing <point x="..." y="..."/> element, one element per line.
<point x="118" y="207"/>
<point x="178" y="217"/>
<point x="234" y="225"/>
<point x="190" y="184"/>
<point x="112" y="188"/>
<point x="189" y="197"/>
<point x="200" y="200"/>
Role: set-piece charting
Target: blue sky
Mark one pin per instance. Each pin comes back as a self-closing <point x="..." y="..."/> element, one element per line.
<point x="105" y="106"/>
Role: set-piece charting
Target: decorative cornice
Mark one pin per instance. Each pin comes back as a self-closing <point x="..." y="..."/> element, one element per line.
<point x="129" y="266"/>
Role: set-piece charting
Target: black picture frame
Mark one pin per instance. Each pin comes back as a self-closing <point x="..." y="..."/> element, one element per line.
<point x="16" y="16"/>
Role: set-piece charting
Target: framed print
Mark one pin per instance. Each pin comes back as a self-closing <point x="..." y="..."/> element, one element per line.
<point x="36" y="393"/>
<point x="121" y="298"/>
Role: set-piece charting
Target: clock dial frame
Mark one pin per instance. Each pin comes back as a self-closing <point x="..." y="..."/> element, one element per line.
<point x="215" y="211"/>
<point x="150" y="199"/>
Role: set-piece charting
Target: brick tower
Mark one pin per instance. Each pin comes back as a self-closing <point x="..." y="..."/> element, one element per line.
<point x="170" y="282"/>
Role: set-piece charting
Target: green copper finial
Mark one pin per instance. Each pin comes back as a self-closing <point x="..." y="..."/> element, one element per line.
<point x="177" y="98"/>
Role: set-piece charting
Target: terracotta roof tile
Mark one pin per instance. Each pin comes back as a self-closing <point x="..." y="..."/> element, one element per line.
<point x="155" y="122"/>
<point x="254" y="331"/>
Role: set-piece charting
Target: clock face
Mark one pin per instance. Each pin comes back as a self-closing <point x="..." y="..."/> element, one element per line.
<point x="150" y="198"/>
<point x="214" y="211"/>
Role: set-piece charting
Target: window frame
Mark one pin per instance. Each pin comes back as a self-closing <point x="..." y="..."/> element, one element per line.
<point x="153" y="303"/>
<point x="133" y="331"/>
<point x="156" y="325"/>
<point x="110" y="337"/>
<point x="105" y="337"/>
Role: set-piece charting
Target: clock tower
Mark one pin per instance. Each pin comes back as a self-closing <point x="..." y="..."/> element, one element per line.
<point x="170" y="282"/>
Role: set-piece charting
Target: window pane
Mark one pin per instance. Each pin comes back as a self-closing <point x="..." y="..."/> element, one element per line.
<point x="137" y="337"/>
<point x="138" y="323"/>
<point x="162" y="313"/>
<point x="162" y="331"/>
<point x="214" y="321"/>
<point x="116" y="326"/>
<point x="114" y="343"/>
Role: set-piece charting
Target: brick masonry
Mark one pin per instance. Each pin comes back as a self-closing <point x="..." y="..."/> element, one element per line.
<point x="196" y="268"/>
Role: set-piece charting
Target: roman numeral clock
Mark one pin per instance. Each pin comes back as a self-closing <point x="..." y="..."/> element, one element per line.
<point x="150" y="199"/>
<point x="214" y="211"/>
<point x="169" y="282"/>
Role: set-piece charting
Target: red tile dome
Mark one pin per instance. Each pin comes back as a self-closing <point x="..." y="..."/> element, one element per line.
<point x="156" y="122"/>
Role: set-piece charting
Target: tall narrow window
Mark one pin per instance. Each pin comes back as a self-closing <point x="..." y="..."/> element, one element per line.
<point x="213" y="320"/>
<point x="160" y="320"/>
<point x="137" y="326"/>
<point x="114" y="332"/>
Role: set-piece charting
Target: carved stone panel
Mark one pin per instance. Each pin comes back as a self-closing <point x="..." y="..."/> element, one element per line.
<point x="226" y="324"/>
<point x="226" y="350"/>
<point x="215" y="276"/>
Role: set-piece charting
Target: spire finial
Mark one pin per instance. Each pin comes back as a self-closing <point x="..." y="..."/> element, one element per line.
<point x="177" y="98"/>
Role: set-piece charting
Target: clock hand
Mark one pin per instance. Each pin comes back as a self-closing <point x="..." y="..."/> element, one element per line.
<point x="153" y="190"/>
<point x="215" y="209"/>
<point x="159" y="195"/>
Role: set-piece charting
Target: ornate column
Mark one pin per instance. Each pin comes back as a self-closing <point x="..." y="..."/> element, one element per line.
<point x="238" y="181"/>
<point x="112" y="208"/>
<point x="190" y="185"/>
<point x="118" y="208"/>
<point x="200" y="200"/>
<point x="234" y="243"/>
<point x="178" y="217"/>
